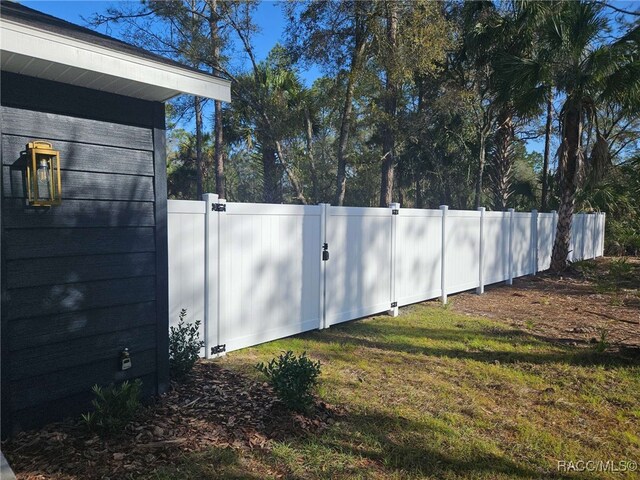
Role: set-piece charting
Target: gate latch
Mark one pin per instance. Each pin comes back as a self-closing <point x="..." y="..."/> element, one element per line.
<point x="325" y="252"/>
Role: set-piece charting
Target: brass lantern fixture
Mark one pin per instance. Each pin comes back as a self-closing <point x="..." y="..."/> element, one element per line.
<point x="44" y="187"/>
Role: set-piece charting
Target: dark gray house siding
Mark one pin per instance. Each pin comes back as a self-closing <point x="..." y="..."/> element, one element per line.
<point x="84" y="280"/>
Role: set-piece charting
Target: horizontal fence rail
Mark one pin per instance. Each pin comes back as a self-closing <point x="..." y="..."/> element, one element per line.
<point x="253" y="273"/>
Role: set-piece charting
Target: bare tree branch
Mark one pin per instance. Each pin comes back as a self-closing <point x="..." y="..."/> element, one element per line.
<point x="618" y="9"/>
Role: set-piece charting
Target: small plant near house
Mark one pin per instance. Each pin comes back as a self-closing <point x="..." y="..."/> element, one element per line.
<point x="604" y="285"/>
<point x="184" y="346"/>
<point x="620" y="268"/>
<point x="602" y="343"/>
<point x="293" y="378"/>
<point x="587" y="268"/>
<point x="617" y="300"/>
<point x="113" y="407"/>
<point x="620" y="275"/>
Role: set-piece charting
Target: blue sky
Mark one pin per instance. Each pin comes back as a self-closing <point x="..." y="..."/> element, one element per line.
<point x="269" y="18"/>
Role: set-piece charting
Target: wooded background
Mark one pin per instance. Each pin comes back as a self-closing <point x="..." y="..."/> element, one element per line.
<point x="420" y="102"/>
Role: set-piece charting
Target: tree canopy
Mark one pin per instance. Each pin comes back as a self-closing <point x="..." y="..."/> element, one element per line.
<point x="419" y="102"/>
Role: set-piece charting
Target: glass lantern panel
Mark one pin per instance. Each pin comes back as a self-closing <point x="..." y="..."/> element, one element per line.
<point x="43" y="177"/>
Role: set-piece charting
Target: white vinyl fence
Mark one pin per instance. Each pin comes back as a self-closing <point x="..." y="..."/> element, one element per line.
<point x="252" y="273"/>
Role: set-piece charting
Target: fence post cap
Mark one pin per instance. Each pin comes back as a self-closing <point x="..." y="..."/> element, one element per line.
<point x="444" y="207"/>
<point x="481" y="209"/>
<point x="394" y="205"/>
<point x="511" y="210"/>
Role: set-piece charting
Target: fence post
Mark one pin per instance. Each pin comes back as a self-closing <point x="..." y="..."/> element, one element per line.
<point x="602" y="229"/>
<point x="480" y="289"/>
<point x="210" y="272"/>
<point x="584" y="235"/>
<point x="510" y="279"/>
<point x="323" y="265"/>
<point x="395" y="211"/>
<point x="554" y="228"/>
<point x="593" y="235"/>
<point x="534" y="240"/>
<point x="221" y="330"/>
<point x="443" y="251"/>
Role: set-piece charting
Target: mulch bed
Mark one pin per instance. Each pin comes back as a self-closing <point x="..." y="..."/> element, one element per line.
<point x="215" y="407"/>
<point x="567" y="309"/>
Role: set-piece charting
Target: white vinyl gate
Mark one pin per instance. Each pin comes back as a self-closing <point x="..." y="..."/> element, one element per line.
<point x="252" y="273"/>
<point x="358" y="272"/>
<point x="269" y="259"/>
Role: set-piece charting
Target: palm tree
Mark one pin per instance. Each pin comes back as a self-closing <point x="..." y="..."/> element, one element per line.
<point x="270" y="106"/>
<point x="494" y="32"/>
<point x="586" y="72"/>
<point x="481" y="24"/>
<point x="502" y="159"/>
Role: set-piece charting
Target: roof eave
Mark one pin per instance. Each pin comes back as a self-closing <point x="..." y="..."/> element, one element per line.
<point x="113" y="71"/>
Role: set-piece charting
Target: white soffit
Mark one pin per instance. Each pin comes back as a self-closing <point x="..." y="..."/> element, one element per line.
<point x="43" y="54"/>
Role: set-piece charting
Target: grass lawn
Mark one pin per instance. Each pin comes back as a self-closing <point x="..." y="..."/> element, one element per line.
<point x="439" y="394"/>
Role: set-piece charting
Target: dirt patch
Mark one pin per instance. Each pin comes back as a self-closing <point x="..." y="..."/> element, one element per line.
<point x="215" y="407"/>
<point x="595" y="300"/>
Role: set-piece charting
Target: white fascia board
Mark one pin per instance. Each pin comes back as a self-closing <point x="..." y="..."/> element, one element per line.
<point x="37" y="43"/>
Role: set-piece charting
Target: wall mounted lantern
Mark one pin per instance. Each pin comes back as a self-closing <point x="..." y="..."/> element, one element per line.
<point x="44" y="187"/>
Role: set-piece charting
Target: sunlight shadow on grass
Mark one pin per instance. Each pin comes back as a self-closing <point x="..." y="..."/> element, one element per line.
<point x="439" y="395"/>
<point x="478" y="343"/>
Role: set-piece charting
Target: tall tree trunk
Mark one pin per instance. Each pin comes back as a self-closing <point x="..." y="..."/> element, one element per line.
<point x="197" y="105"/>
<point x="386" y="184"/>
<point x="391" y="108"/>
<point x="481" y="162"/>
<point x="271" y="192"/>
<point x="218" y="148"/>
<point x="419" y="197"/>
<point x="312" y="162"/>
<point x="502" y="160"/>
<point x="295" y="182"/>
<point x="345" y="125"/>
<point x="547" y="150"/>
<point x="293" y="178"/>
<point x="570" y="168"/>
<point x="218" y="151"/>
<point x="347" y="109"/>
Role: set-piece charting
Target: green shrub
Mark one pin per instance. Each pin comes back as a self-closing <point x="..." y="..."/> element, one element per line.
<point x="602" y="343"/>
<point x="620" y="268"/>
<point x="622" y="236"/>
<point x="113" y="407"/>
<point x="585" y="267"/>
<point x="184" y="346"/>
<point x="293" y="378"/>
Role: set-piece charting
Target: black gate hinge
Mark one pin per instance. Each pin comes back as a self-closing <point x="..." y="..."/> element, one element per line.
<point x="394" y="304"/>
<point x="218" y="207"/>
<point x="395" y="211"/>
<point x="218" y="349"/>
